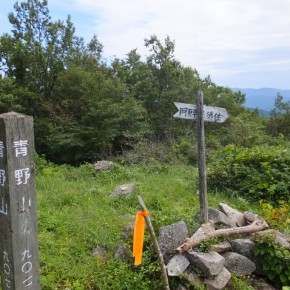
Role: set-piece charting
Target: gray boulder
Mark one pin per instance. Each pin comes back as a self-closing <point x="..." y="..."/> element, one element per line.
<point x="220" y="281"/>
<point x="100" y="252"/>
<point x="172" y="236"/>
<point x="177" y="265"/>
<point x="220" y="218"/>
<point x="221" y="247"/>
<point x="123" y="190"/>
<point x="122" y="253"/>
<point x="238" y="264"/>
<point x="103" y="165"/>
<point x="243" y="247"/>
<point x="236" y="216"/>
<point x="128" y="231"/>
<point x="190" y="277"/>
<point x="210" y="264"/>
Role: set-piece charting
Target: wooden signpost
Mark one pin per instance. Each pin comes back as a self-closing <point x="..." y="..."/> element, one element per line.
<point x="18" y="222"/>
<point x="210" y="114"/>
<point x="201" y="113"/>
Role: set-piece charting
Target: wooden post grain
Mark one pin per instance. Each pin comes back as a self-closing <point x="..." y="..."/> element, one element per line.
<point x="18" y="223"/>
<point x="156" y="246"/>
<point x="201" y="157"/>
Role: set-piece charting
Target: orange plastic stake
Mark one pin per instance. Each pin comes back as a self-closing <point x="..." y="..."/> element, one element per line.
<point x="139" y="236"/>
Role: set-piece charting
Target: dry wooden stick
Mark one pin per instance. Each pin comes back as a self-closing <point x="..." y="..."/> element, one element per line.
<point x="156" y="246"/>
<point x="257" y="224"/>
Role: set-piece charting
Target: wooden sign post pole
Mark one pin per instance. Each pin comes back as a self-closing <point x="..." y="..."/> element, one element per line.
<point x="201" y="113"/>
<point x="18" y="218"/>
<point x="201" y="157"/>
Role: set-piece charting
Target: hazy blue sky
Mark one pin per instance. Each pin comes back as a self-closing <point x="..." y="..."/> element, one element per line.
<point x="239" y="43"/>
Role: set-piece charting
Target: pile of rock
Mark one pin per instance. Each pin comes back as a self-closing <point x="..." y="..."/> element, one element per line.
<point x="214" y="268"/>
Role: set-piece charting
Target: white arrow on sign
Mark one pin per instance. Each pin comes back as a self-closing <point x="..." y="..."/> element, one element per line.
<point x="211" y="114"/>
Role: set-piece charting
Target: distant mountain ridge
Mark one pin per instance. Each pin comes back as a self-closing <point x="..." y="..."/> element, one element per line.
<point x="264" y="98"/>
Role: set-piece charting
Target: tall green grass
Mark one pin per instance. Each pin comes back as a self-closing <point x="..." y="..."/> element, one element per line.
<point x="76" y="214"/>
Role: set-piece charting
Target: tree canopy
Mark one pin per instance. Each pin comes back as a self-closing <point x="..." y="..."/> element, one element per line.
<point x="86" y="109"/>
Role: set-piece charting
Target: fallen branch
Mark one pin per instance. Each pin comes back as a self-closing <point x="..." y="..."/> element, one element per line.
<point x="257" y="224"/>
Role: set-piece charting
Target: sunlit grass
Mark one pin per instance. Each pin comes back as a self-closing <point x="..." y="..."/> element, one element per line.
<point x="76" y="214"/>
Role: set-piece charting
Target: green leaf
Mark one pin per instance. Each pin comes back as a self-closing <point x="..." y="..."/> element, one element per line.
<point x="266" y="267"/>
<point x="278" y="268"/>
<point x="271" y="275"/>
<point x="283" y="278"/>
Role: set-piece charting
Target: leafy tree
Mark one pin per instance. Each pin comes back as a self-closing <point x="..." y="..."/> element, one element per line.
<point x="172" y="83"/>
<point x="245" y="129"/>
<point x="135" y="74"/>
<point x="95" y="117"/>
<point x="85" y="109"/>
<point x="279" y="123"/>
<point x="14" y="97"/>
<point x="38" y="49"/>
<point x="33" y="58"/>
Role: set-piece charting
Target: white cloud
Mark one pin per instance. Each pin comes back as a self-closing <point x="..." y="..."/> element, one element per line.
<point x="217" y="37"/>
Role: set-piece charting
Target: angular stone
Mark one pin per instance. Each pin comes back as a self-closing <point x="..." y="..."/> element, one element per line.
<point x="172" y="236"/>
<point x="236" y="216"/>
<point x="121" y="253"/>
<point x="238" y="264"/>
<point x="220" y="218"/>
<point x="177" y="265"/>
<point x="191" y="277"/>
<point x="103" y="165"/>
<point x="250" y="216"/>
<point x="209" y="263"/>
<point x="123" y="190"/>
<point x="243" y="247"/>
<point x="99" y="252"/>
<point x="221" y="247"/>
<point x="220" y="281"/>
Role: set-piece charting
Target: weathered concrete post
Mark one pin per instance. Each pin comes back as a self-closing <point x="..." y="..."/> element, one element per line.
<point x="18" y="217"/>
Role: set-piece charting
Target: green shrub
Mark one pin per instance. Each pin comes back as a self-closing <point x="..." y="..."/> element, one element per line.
<point x="242" y="282"/>
<point x="276" y="217"/>
<point x="41" y="163"/>
<point x="119" y="275"/>
<point x="186" y="149"/>
<point x="274" y="257"/>
<point x="146" y="152"/>
<point x="255" y="173"/>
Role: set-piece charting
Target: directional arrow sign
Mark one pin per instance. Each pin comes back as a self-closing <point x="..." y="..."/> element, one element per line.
<point x="211" y="114"/>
